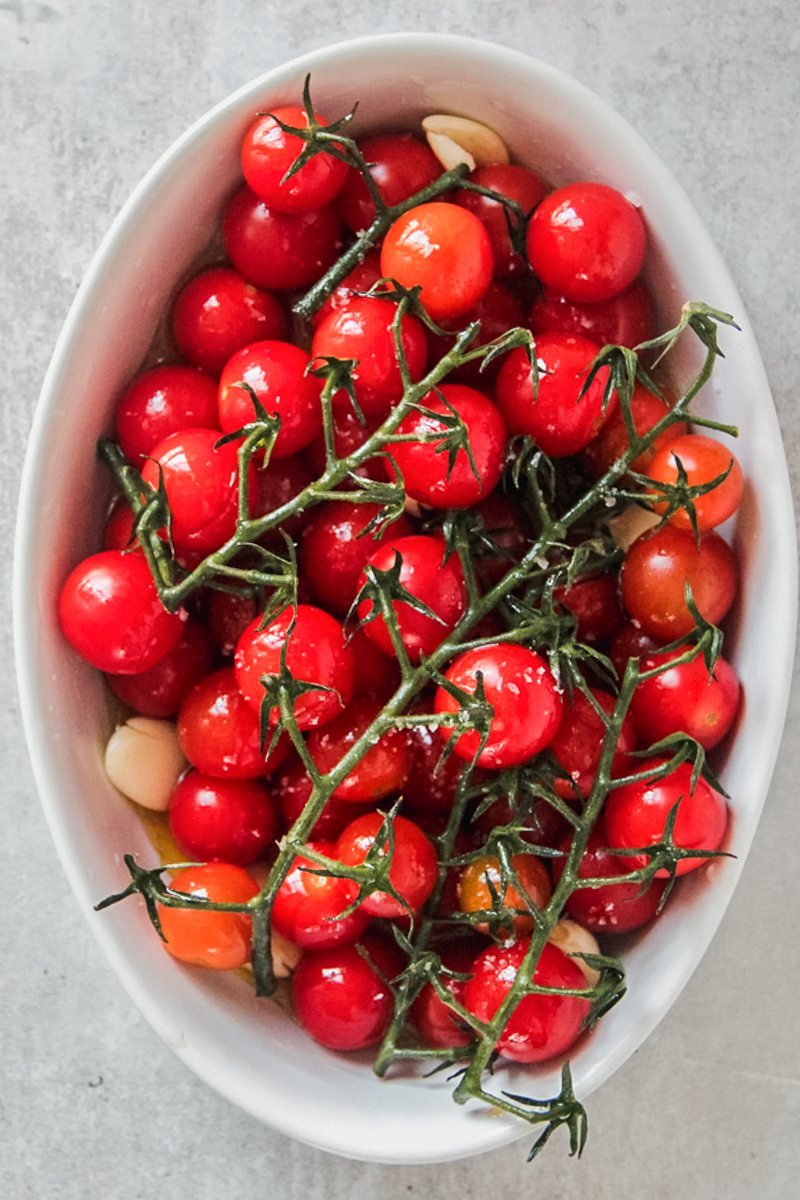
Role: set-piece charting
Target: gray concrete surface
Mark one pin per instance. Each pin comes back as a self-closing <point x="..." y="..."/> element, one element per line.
<point x="91" y="1104"/>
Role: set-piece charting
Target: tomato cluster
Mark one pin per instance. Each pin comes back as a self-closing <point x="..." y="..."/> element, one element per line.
<point x="206" y="666"/>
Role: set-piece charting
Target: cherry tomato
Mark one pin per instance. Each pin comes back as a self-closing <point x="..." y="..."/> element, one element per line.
<point x="276" y="250"/>
<point x="586" y="241"/>
<point x="656" y="570"/>
<point x="317" y="653"/>
<point x="228" y="617"/>
<point x="111" y="615"/>
<point x="438" y="584"/>
<point x="219" y="940"/>
<point x="339" y="997"/>
<point x="275" y="485"/>
<point x="540" y="1027"/>
<point x="360" y="279"/>
<point x="162" y="401"/>
<point x="702" y="459"/>
<point x="222" y="820"/>
<point x="497" y="311"/>
<point x="579" y="742"/>
<point x="438" y="1025"/>
<point x="268" y="152"/>
<point x="625" y="320"/>
<point x="561" y="423"/>
<point x="160" y="691"/>
<point x="480" y="881"/>
<point x="362" y="330"/>
<point x="349" y="434"/>
<point x="430" y="788"/>
<point x="381" y="771"/>
<point x="686" y="699"/>
<point x="612" y="441"/>
<point x="217" y="313"/>
<point x="400" y="164"/>
<point x="636" y="816"/>
<point x="292" y="787"/>
<point x="522" y="691"/>
<point x="413" y="871"/>
<point x="541" y="825"/>
<point x="118" y="532"/>
<point x="506" y="523"/>
<point x="630" y="642"/>
<point x="446" y="251"/>
<point x="517" y="183"/>
<point x="595" y="605"/>
<point x="428" y="474"/>
<point x="308" y="905"/>
<point x="335" y="550"/>
<point x="276" y="371"/>
<point x="219" y="731"/>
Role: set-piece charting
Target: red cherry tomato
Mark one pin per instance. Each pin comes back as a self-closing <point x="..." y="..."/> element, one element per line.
<point x="438" y="1025"/>
<point x="630" y="642"/>
<point x="400" y="164"/>
<point x="481" y="880"/>
<point x="349" y="435"/>
<point x="430" y="788"/>
<point x="217" y="313"/>
<point x="497" y="311"/>
<point x="541" y="825"/>
<point x="636" y="816"/>
<point x="656" y="570"/>
<point x="335" y="550"/>
<point x="317" y="653"/>
<point x="228" y="617"/>
<point x="160" y="402"/>
<point x="219" y="940"/>
<point x="540" y="1027"/>
<point x="579" y="742"/>
<point x="307" y="906"/>
<point x="360" y="279"/>
<point x="446" y="251"/>
<point x="268" y="152"/>
<point x="219" y="731"/>
<point x="339" y="997"/>
<point x="587" y="242"/>
<point x="595" y="606"/>
<point x="438" y="584"/>
<point x="222" y="820"/>
<point x="561" y="423"/>
<point x="427" y="472"/>
<point x="625" y="320"/>
<point x="522" y="691"/>
<point x="507" y="524"/>
<point x="617" y="907"/>
<point x="413" y="872"/>
<point x="517" y="183"/>
<point x="160" y="691"/>
<point x="111" y="615"/>
<point x="686" y="699"/>
<point x="612" y="441"/>
<point x="292" y="789"/>
<point x="118" y="532"/>
<point x="703" y="460"/>
<point x="276" y="371"/>
<point x="275" y="485"/>
<point x="276" y="250"/>
<point x="381" y="771"/>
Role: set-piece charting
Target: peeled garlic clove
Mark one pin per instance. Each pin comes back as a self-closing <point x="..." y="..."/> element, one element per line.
<point x="631" y="523"/>
<point x="144" y="760"/>
<point x="572" y="938"/>
<point x="478" y="144"/>
<point x="285" y="955"/>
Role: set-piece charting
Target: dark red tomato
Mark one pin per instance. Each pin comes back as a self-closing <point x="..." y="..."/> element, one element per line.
<point x="541" y="826"/>
<point x="430" y="788"/>
<point x="278" y="483"/>
<point x="612" y="441"/>
<point x="268" y="152"/>
<point x="630" y="642"/>
<point x="481" y="880"/>
<point x="497" y="311"/>
<point x="625" y="320"/>
<point x="438" y="584"/>
<point x="636" y="816"/>
<point x="307" y="906"/>
<point x="333" y="552"/>
<point x="111" y="615"/>
<point x="377" y="675"/>
<point x="201" y="482"/>
<point x="517" y="183"/>
<point x="413" y="872"/>
<point x="381" y="771"/>
<point x="317" y="653"/>
<point x="162" y="401"/>
<point x="219" y="940"/>
<point x="118" y="532"/>
<point x="339" y="997"/>
<point x="228" y="617"/>
<point x="276" y="371"/>
<point x="360" y="279"/>
<point x="561" y="423"/>
<point x="217" y="313"/>
<point x="523" y="693"/>
<point x="617" y="907"/>
<point x="222" y="820"/>
<point x="586" y="242"/>
<point x="362" y="330"/>
<point x="425" y="465"/>
<point x="276" y="250"/>
<point x="159" y="692"/>
<point x="579" y="742"/>
<point x="686" y="699"/>
<point x="438" y="1025"/>
<point x="446" y="251"/>
<point x="349" y="435"/>
<point x="219" y="731"/>
<point x="401" y="166"/>
<point x="656" y="570"/>
<point x="506" y="523"/>
<point x="540" y="1027"/>
<point x="594" y="604"/>
<point x="703" y="460"/>
<point x="292" y="789"/>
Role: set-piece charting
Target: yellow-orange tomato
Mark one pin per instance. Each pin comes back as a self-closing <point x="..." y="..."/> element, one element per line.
<point x="482" y="877"/>
<point x="220" y="940"/>
<point x="703" y="459"/>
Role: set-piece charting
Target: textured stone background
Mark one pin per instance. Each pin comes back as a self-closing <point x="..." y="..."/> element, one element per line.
<point x="91" y="1103"/>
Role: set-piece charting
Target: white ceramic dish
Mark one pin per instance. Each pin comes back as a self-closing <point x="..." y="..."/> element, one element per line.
<point x="245" y="1048"/>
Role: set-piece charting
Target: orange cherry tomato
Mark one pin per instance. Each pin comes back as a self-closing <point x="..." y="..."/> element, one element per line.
<point x="481" y="877"/>
<point x="702" y="459"/>
<point x="220" y="940"/>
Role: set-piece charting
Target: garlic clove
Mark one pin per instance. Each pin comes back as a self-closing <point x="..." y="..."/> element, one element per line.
<point x="478" y="144"/>
<point x="572" y="938"/>
<point x="285" y="955"/>
<point x="631" y="523"/>
<point x="144" y="761"/>
<point x="449" y="153"/>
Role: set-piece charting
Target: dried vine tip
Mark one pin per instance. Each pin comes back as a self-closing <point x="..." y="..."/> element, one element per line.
<point x="631" y="523"/>
<point x="572" y="938"/>
<point x="456" y="140"/>
<point x="144" y="761"/>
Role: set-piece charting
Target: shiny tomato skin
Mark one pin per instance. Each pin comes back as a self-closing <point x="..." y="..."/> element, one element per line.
<point x="228" y="617"/>
<point x="360" y="279"/>
<point x="579" y="742"/>
<point x="612" y="441"/>
<point x="276" y="371"/>
<point x="340" y="999"/>
<point x="625" y="320"/>
<point x="307" y="905"/>
<point x="219" y="940"/>
<point x="426" y="469"/>
<point x="160" y="691"/>
<point x="268" y="152"/>
<point x="349" y="434"/>
<point x="317" y="653"/>
<point x="540" y="1027"/>
<point x="275" y="250"/>
<point x="291" y="788"/>
<point x="401" y="166"/>
<point x="636" y="816"/>
<point x="381" y="771"/>
<point x="527" y="705"/>
<point x="508" y="526"/>
<point x="586" y="242"/>
<point x="414" y="869"/>
<point x="595" y="605"/>
<point x="617" y="907"/>
<point x="560" y="423"/>
<point x="111" y="615"/>
<point x="118" y="531"/>
<point x="162" y="401"/>
<point x="656" y="570"/>
<point x="430" y="788"/>
<point x="217" y="313"/>
<point x="686" y="699"/>
<point x="497" y="311"/>
<point x="480" y="878"/>
<point x="630" y="642"/>
<point x="222" y="820"/>
<point x="438" y="1025"/>
<point x="440" y="585"/>
<point x="335" y="550"/>
<point x="219" y="731"/>
<point x="703" y="459"/>
<point x="275" y="485"/>
<point x="446" y="251"/>
<point x="517" y="183"/>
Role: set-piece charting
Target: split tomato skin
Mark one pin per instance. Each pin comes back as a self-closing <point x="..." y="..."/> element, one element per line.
<point x="414" y="868"/>
<point x="275" y="250"/>
<point x="400" y="164"/>
<point x="217" y="313"/>
<point x="160" y="691"/>
<point x="222" y="820"/>
<point x="337" y="546"/>
<point x="276" y="371"/>
<point x="160" y="402"/>
<point x="308" y="906"/>
<point x="616" y="908"/>
<point x="220" y="941"/>
<point x="686" y="698"/>
<point x="268" y="152"/>
<point x="219" y="731"/>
